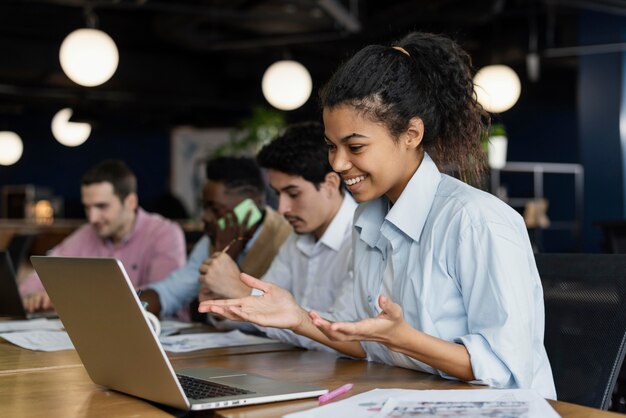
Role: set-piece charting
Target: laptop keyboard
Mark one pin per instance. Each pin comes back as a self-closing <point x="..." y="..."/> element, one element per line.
<point x="201" y="389"/>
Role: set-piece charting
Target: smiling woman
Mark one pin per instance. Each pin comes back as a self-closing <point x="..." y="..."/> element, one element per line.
<point x="444" y="274"/>
<point x="429" y="249"/>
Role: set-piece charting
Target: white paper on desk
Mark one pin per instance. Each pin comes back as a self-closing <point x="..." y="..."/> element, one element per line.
<point x="172" y="326"/>
<point x="39" y="340"/>
<point x="30" y="324"/>
<point x="192" y="342"/>
<point x="398" y="403"/>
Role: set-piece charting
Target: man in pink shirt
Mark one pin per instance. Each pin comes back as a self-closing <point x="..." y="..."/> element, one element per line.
<point x="148" y="245"/>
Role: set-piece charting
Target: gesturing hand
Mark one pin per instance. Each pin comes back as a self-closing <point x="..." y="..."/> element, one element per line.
<point x="275" y="308"/>
<point x="381" y="328"/>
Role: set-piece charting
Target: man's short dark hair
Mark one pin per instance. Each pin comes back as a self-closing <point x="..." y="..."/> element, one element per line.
<point x="115" y="172"/>
<point x="299" y="151"/>
<point x="236" y="172"/>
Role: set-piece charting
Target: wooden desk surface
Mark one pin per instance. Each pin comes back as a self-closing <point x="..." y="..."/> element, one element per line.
<point x="14" y="359"/>
<point x="58" y="386"/>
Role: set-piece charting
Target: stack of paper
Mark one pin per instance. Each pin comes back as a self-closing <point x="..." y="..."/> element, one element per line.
<point x="400" y="403"/>
<point x="192" y="342"/>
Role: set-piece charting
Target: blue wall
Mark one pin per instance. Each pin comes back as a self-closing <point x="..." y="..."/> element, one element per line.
<point x="600" y="87"/>
<point x="46" y="162"/>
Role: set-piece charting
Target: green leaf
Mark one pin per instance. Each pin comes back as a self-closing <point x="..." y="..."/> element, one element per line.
<point x="253" y="132"/>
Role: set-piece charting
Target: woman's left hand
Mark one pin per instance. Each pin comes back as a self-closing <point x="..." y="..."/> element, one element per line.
<point x="381" y="328"/>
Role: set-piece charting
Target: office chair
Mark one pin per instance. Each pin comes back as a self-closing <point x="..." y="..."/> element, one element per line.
<point x="585" y="333"/>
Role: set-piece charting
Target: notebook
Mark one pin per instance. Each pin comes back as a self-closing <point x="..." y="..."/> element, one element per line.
<point x="10" y="299"/>
<point x="104" y="319"/>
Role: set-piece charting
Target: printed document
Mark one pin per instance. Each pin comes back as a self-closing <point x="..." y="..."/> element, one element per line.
<point x="404" y="403"/>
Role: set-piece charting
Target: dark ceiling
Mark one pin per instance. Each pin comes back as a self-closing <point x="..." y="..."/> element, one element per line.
<point x="201" y="61"/>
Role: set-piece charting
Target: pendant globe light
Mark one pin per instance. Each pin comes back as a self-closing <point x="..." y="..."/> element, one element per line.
<point x="70" y="134"/>
<point x="89" y="56"/>
<point x="287" y="85"/>
<point x="497" y="88"/>
<point x="11" y="147"/>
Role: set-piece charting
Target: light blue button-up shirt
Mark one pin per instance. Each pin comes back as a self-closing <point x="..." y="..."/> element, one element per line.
<point x="463" y="271"/>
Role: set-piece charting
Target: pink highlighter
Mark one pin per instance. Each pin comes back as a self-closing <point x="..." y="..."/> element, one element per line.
<point x="332" y="395"/>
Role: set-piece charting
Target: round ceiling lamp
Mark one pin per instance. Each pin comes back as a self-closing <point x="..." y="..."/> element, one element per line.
<point x="497" y="88"/>
<point x="70" y="134"/>
<point x="89" y="57"/>
<point x="11" y="146"/>
<point x="287" y="85"/>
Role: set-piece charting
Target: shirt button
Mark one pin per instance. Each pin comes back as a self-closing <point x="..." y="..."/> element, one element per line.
<point x="369" y="298"/>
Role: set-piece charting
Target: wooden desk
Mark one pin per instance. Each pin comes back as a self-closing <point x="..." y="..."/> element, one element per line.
<point x="14" y="359"/>
<point x="59" y="387"/>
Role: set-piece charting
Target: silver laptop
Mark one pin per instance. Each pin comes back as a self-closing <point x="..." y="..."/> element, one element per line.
<point x="11" y="304"/>
<point x="104" y="319"/>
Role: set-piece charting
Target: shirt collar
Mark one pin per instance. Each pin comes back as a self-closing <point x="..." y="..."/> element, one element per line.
<point x="369" y="218"/>
<point x="334" y="235"/>
<point x="410" y="211"/>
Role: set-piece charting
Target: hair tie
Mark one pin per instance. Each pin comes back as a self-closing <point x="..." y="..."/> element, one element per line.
<point x="399" y="48"/>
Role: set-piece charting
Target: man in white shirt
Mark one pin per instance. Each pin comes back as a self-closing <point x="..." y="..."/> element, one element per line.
<point x="314" y="262"/>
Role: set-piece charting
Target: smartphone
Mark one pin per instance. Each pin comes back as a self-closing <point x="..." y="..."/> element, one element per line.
<point x="241" y="210"/>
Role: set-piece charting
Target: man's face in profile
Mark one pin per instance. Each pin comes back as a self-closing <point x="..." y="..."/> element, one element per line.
<point x="110" y="217"/>
<point x="308" y="209"/>
<point x="217" y="201"/>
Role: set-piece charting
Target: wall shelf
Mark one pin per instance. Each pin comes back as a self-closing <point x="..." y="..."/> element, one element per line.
<point x="538" y="170"/>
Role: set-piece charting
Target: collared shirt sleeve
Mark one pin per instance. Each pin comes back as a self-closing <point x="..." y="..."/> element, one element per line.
<point x="168" y="251"/>
<point x="182" y="286"/>
<point x="343" y="309"/>
<point x="497" y="282"/>
<point x="70" y="246"/>
<point x="279" y="272"/>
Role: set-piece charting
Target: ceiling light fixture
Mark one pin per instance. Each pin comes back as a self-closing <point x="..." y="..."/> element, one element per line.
<point x="89" y="57"/>
<point x="497" y="88"/>
<point x="70" y="134"/>
<point x="287" y="85"/>
<point x="11" y="146"/>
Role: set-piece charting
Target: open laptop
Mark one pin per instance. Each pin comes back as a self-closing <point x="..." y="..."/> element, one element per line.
<point x="104" y="319"/>
<point x="10" y="299"/>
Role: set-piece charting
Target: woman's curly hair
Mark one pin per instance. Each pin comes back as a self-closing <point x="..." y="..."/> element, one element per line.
<point x="432" y="81"/>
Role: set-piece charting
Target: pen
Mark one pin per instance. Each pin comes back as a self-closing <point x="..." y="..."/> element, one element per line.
<point x="332" y="395"/>
<point x="234" y="240"/>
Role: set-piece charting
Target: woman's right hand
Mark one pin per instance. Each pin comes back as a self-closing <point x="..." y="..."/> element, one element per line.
<point x="275" y="308"/>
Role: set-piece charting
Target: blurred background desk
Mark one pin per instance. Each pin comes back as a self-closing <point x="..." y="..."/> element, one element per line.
<point x="25" y="237"/>
<point x="47" y="235"/>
